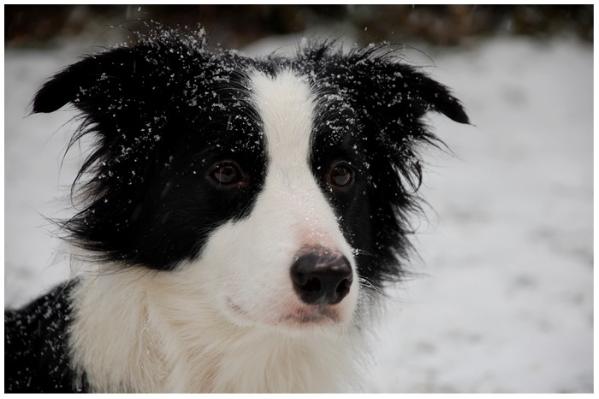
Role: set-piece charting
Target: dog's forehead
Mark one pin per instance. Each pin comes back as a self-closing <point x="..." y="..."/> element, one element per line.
<point x="284" y="102"/>
<point x="299" y="107"/>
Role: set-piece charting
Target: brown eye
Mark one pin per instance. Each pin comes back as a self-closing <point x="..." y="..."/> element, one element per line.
<point x="227" y="173"/>
<point x="341" y="175"/>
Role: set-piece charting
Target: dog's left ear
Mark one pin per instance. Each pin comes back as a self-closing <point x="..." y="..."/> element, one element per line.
<point x="435" y="96"/>
<point x="422" y="93"/>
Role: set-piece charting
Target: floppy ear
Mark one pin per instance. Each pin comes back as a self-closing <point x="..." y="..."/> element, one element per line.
<point x="380" y="84"/>
<point x="92" y="81"/>
<point x="432" y="95"/>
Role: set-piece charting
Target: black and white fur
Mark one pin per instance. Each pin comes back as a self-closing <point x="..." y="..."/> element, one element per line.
<point x="187" y="286"/>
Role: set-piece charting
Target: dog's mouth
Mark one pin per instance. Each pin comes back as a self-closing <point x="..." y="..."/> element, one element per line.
<point x="298" y="315"/>
<point x="309" y="314"/>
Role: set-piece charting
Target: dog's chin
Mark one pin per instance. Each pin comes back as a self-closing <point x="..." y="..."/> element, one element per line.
<point x="292" y="318"/>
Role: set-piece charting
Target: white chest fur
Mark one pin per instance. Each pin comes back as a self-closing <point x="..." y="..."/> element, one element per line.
<point x="144" y="331"/>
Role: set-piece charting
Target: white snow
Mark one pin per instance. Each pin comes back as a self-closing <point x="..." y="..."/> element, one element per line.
<point x="502" y="294"/>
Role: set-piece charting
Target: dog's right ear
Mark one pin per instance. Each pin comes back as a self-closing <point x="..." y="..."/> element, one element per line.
<point x="90" y="82"/>
<point x="73" y="83"/>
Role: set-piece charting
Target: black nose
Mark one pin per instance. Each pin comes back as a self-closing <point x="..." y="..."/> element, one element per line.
<point x="321" y="276"/>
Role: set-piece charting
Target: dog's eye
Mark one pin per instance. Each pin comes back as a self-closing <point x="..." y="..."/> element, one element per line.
<point x="227" y="174"/>
<point x="340" y="175"/>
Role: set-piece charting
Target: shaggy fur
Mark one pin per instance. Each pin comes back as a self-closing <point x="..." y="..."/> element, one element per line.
<point x="187" y="286"/>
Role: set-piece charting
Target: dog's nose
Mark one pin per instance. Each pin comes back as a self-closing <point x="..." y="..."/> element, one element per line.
<point x="321" y="277"/>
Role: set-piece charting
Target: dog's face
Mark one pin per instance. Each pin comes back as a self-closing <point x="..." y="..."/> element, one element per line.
<point x="282" y="185"/>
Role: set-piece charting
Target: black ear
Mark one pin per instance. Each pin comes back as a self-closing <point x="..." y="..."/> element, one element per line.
<point x="428" y="94"/>
<point x="56" y="92"/>
<point x="397" y="90"/>
<point x="86" y="80"/>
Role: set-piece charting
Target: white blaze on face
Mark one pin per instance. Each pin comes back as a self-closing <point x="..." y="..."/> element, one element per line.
<point x="248" y="262"/>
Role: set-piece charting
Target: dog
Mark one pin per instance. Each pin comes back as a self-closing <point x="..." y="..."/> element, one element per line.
<point x="240" y="217"/>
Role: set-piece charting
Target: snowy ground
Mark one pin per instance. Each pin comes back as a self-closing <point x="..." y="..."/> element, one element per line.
<point x="502" y="297"/>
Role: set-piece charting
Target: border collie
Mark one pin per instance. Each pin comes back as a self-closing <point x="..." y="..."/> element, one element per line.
<point x="240" y="217"/>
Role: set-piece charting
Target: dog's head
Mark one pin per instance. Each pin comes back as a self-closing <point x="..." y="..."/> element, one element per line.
<point x="283" y="184"/>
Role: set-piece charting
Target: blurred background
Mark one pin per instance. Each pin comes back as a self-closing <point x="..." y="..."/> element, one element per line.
<point x="238" y="26"/>
<point x="501" y="298"/>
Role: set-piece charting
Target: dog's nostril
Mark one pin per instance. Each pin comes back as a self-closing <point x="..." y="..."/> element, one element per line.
<point x="312" y="285"/>
<point x="320" y="276"/>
